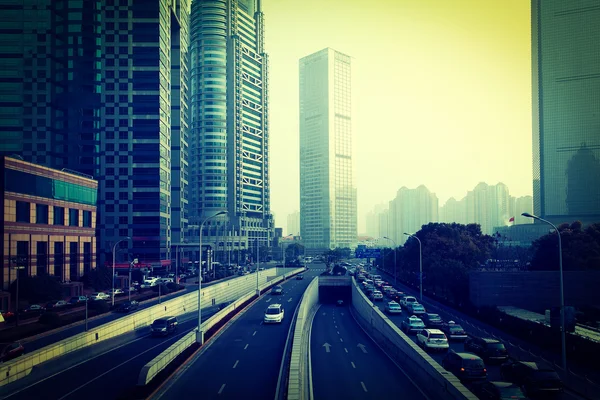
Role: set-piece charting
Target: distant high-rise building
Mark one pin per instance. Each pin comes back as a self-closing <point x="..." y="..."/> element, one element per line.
<point x="230" y="121"/>
<point x="327" y="191"/>
<point x="293" y="223"/>
<point x="566" y="100"/>
<point x="453" y="211"/>
<point x="410" y="210"/>
<point x="373" y="222"/>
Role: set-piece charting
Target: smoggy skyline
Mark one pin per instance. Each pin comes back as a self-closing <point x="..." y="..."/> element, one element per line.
<point x="441" y="94"/>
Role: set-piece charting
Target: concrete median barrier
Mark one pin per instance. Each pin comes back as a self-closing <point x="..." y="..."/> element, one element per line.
<point x="222" y="292"/>
<point x="434" y="380"/>
<point x="299" y="373"/>
<point x="160" y="362"/>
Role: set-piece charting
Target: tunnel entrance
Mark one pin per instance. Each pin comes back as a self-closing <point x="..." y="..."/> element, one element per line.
<point x="334" y="288"/>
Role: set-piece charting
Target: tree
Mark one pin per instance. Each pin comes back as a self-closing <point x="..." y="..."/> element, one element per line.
<point x="38" y="289"/>
<point x="100" y="278"/>
<point x="264" y="252"/>
<point x="580" y="249"/>
<point x="449" y="252"/>
<point x="293" y="251"/>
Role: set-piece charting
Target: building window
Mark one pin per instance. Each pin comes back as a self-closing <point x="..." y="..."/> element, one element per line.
<point x="41" y="214"/>
<point x="59" y="260"/>
<point x="87" y="257"/>
<point x="23" y="212"/>
<point x="73" y="261"/>
<point x="22" y="258"/>
<point x="73" y="217"/>
<point x="42" y="258"/>
<point x="59" y="216"/>
<point x="87" y="219"/>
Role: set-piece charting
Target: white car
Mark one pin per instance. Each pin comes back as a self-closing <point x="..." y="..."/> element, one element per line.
<point x="406" y="300"/>
<point x="116" y="291"/>
<point x="416" y="308"/>
<point x="393" y="308"/>
<point x="432" y="339"/>
<point x="376" y="295"/>
<point x="274" y="314"/>
<point x="99" y="296"/>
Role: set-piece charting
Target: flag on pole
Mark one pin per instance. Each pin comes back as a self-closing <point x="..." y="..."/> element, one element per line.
<point x="512" y="219"/>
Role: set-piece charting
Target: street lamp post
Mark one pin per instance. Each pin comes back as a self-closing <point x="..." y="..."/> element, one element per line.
<point x="420" y="267"/>
<point x="17" y="268"/>
<point x="563" y="333"/>
<point x="395" y="246"/>
<point x="113" y="271"/>
<point x="199" y="333"/>
<point x="257" y="264"/>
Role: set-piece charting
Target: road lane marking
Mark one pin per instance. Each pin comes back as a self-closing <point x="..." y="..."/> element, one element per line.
<point x="338" y="332"/>
<point x="223" y="387"/>
<point x="362" y="383"/>
<point x="290" y="300"/>
<point x="345" y="349"/>
<point x="246" y="346"/>
<point x="353" y="366"/>
<point x="341" y="340"/>
<point x="362" y="347"/>
<point x="342" y="314"/>
<point x="324" y="313"/>
<point x="254" y="333"/>
<point x="327" y="347"/>
<point x="268" y="300"/>
<point x="236" y="363"/>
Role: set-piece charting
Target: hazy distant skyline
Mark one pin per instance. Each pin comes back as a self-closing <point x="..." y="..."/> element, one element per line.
<point x="441" y="94"/>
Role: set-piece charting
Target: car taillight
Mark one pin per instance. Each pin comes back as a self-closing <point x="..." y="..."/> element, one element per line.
<point x="484" y="370"/>
<point x="462" y="369"/>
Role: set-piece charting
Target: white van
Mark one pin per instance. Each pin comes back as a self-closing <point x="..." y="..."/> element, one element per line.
<point x="149" y="282"/>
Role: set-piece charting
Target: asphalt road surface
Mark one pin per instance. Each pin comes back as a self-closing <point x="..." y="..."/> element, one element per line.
<point x="244" y="362"/>
<point x="347" y="364"/>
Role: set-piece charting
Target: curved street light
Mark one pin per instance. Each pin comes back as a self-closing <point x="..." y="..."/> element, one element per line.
<point x="562" y="290"/>
<point x="395" y="246"/>
<point x="199" y="333"/>
<point x="420" y="267"/>
<point x="113" y="272"/>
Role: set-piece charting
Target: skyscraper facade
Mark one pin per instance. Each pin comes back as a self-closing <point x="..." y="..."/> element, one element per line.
<point x="293" y="224"/>
<point x="230" y="120"/>
<point x="101" y="87"/>
<point x="566" y="104"/>
<point x="145" y="118"/>
<point x="327" y="189"/>
<point x="410" y="210"/>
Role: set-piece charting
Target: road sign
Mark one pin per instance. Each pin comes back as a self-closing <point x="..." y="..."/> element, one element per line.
<point x="368" y="253"/>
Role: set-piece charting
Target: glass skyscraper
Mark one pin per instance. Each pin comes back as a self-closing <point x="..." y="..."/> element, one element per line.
<point x="327" y="190"/>
<point x="101" y="87"/>
<point x="229" y="156"/>
<point x="566" y="109"/>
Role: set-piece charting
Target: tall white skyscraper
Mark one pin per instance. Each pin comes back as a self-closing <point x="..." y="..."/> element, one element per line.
<point x="327" y="189"/>
<point x="293" y="223"/>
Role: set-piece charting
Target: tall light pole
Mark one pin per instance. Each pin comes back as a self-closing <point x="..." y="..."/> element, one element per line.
<point x="563" y="333"/>
<point x="113" y="272"/>
<point x="420" y="267"/>
<point x="257" y="264"/>
<point x="395" y="246"/>
<point x="199" y="333"/>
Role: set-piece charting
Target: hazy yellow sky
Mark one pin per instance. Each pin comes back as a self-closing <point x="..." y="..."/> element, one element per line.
<point x="441" y="93"/>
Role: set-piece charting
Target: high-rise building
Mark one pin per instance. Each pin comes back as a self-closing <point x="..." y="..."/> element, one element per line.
<point x="327" y="189"/>
<point x="566" y="100"/>
<point x="229" y="167"/>
<point x="145" y="118"/>
<point x="293" y="223"/>
<point x="101" y="87"/>
<point x="410" y="210"/>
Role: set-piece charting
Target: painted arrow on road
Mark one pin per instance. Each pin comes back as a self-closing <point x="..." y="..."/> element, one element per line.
<point x="327" y="346"/>
<point x="290" y="300"/>
<point x="362" y="347"/>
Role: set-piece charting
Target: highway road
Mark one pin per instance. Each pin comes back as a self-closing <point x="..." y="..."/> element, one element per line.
<point x="347" y="364"/>
<point x="103" y="371"/>
<point x="472" y="328"/>
<point x="43" y="340"/>
<point x="244" y="362"/>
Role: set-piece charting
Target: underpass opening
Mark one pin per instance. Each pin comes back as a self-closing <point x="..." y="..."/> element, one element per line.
<point x="334" y="288"/>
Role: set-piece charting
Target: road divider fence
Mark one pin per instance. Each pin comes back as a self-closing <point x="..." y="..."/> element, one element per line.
<point x="211" y="295"/>
<point x="299" y="378"/>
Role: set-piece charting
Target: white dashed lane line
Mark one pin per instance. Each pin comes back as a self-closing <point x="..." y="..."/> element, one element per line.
<point x="353" y="366"/>
<point x="236" y="363"/>
<point x="246" y="346"/>
<point x="221" y="390"/>
<point x="364" y="387"/>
